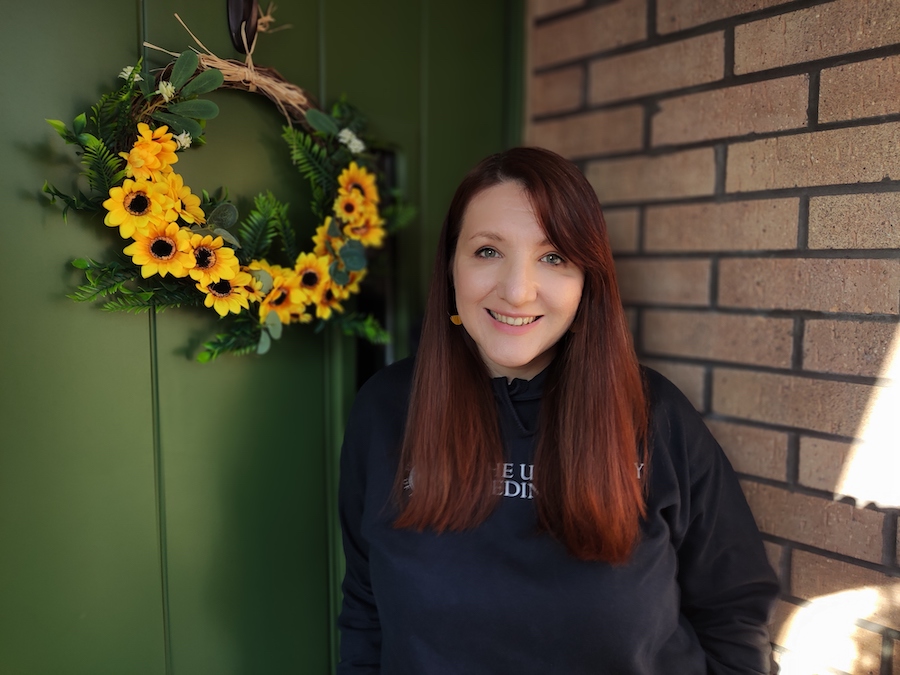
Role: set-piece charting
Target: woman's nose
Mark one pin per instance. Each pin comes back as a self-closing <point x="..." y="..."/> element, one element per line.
<point x="518" y="285"/>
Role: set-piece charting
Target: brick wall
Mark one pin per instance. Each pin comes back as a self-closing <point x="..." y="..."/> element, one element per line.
<point x="747" y="153"/>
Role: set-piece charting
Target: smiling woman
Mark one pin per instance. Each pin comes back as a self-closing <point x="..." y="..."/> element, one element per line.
<point x="515" y="294"/>
<point x="523" y="497"/>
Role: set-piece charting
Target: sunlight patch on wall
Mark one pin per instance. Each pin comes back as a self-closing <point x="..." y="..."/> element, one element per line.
<point x="823" y="635"/>
<point x="871" y="470"/>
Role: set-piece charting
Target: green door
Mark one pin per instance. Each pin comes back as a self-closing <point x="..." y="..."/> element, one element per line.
<point x="158" y="515"/>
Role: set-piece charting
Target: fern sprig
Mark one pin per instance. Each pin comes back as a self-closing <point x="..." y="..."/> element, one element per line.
<point x="103" y="279"/>
<point x="258" y="229"/>
<point x="103" y="169"/>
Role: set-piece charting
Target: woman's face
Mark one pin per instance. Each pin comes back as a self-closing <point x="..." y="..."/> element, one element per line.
<point x="516" y="295"/>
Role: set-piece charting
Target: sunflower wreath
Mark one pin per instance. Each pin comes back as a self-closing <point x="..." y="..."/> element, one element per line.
<point x="186" y="249"/>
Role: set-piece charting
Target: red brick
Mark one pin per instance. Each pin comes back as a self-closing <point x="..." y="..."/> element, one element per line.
<point x="675" y="15"/>
<point x="689" y="379"/>
<point x="540" y="8"/>
<point x="773" y="553"/>
<point x="826" y="285"/>
<point x="800" y="402"/>
<point x="622" y="227"/>
<point x="765" y="224"/>
<point x="719" y="337"/>
<point x="592" y="133"/>
<point x="856" y="155"/>
<point x="668" y="282"/>
<point x="670" y="66"/>
<point x="825" y="524"/>
<point x="814" y="576"/>
<point x="852" y="347"/>
<point x="856" y="90"/>
<point x="751" y="450"/>
<point x="830" y="29"/>
<point x="770" y="105"/>
<point x="855" y="221"/>
<point x="556" y="92"/>
<point x="822" y="463"/>
<point x="589" y="32"/>
<point x="680" y="174"/>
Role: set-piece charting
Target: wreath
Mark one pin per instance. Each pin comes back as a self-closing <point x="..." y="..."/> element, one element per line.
<point x="195" y="250"/>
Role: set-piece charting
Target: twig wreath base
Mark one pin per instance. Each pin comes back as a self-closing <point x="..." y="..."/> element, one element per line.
<point x="186" y="249"/>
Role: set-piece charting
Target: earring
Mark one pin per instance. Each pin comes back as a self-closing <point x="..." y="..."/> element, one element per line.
<point x="455" y="320"/>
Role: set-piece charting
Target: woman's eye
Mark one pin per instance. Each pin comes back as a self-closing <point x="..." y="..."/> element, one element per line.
<point x="553" y="259"/>
<point x="486" y="252"/>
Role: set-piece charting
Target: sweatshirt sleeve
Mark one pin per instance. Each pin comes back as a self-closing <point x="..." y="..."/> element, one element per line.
<point x="727" y="585"/>
<point x="358" y="621"/>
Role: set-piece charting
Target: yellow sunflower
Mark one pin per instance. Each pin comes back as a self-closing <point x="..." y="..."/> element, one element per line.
<point x="328" y="302"/>
<point x="166" y="249"/>
<point x="214" y="260"/>
<point x="352" y="206"/>
<point x="134" y="205"/>
<point x="184" y="204"/>
<point x="227" y="295"/>
<point x="352" y="286"/>
<point x="152" y="151"/>
<point x="312" y="271"/>
<point x="254" y="288"/>
<point x="321" y="236"/>
<point x="286" y="298"/>
<point x="357" y="178"/>
<point x="369" y="230"/>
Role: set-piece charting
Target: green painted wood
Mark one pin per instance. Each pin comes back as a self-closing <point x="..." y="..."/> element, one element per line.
<point x="243" y="437"/>
<point x="79" y="575"/>
<point x="246" y="447"/>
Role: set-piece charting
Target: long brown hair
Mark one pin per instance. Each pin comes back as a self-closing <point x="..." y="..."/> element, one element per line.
<point x="593" y="426"/>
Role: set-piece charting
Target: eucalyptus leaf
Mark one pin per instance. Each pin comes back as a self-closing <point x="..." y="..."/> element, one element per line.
<point x="79" y="123"/>
<point x="205" y="82"/>
<point x="274" y="325"/>
<point x="224" y="215"/>
<point x="338" y="275"/>
<point x="185" y="66"/>
<point x="354" y="255"/>
<point x="227" y="236"/>
<point x="322" y="122"/>
<point x="265" y="278"/>
<point x="265" y="343"/>
<point x="179" y="123"/>
<point x="196" y="108"/>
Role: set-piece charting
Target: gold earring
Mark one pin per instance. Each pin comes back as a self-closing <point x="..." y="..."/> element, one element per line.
<point x="455" y="320"/>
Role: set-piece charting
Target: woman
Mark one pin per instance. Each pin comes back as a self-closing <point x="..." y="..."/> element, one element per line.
<point x="523" y="498"/>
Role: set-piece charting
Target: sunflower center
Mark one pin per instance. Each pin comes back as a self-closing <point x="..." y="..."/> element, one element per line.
<point x="137" y="204"/>
<point x="329" y="296"/>
<point x="205" y="257"/>
<point x="309" y="279"/>
<point x="282" y="296"/>
<point x="349" y="208"/>
<point x="163" y="249"/>
<point x="221" y="289"/>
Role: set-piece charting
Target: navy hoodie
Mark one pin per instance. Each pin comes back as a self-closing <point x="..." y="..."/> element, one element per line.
<point x="503" y="598"/>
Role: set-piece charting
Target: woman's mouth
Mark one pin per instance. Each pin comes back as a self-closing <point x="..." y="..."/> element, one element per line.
<point x="513" y="320"/>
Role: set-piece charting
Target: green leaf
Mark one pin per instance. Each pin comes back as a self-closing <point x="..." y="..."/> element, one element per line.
<point x="61" y="129"/>
<point x="205" y="82"/>
<point x="178" y="123"/>
<point x="339" y="275"/>
<point x="259" y="228"/>
<point x="334" y="230"/>
<point x="205" y="357"/>
<point x="79" y="123"/>
<point x="224" y="215"/>
<point x="265" y="343"/>
<point x="366" y="328"/>
<point x="274" y="325"/>
<point x="103" y="169"/>
<point x="185" y="66"/>
<point x="322" y="122"/>
<point x="146" y="87"/>
<point x="81" y="263"/>
<point x="227" y="236"/>
<point x="354" y="255"/>
<point x="198" y="109"/>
